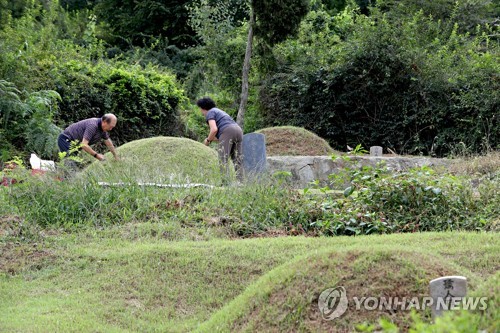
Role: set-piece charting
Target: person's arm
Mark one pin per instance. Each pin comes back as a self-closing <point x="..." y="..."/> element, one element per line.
<point x="89" y="150"/>
<point x="213" y="131"/>
<point x="111" y="148"/>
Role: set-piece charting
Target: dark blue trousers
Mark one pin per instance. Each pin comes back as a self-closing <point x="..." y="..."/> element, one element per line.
<point x="63" y="142"/>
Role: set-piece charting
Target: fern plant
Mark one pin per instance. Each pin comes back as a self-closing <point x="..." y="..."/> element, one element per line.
<point x="12" y="112"/>
<point x="26" y="121"/>
<point x="41" y="133"/>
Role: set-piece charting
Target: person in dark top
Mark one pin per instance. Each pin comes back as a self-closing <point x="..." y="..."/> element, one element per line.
<point x="227" y="132"/>
<point x="88" y="132"/>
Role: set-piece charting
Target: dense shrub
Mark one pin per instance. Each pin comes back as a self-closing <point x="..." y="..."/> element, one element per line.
<point x="379" y="200"/>
<point x="47" y="48"/>
<point x="469" y="13"/>
<point x="137" y="22"/>
<point x="413" y="85"/>
<point x="144" y="99"/>
<point x="222" y="48"/>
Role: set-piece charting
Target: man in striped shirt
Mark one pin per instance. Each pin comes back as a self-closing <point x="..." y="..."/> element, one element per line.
<point x="87" y="132"/>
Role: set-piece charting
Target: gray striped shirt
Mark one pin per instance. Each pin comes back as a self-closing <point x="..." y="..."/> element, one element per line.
<point x="89" y="129"/>
<point x="222" y="120"/>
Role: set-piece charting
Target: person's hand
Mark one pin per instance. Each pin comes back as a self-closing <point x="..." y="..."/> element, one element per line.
<point x="100" y="157"/>
<point x="206" y="142"/>
<point x="117" y="158"/>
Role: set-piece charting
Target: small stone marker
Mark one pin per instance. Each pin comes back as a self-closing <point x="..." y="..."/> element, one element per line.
<point x="254" y="154"/>
<point x="376" y="151"/>
<point x="447" y="293"/>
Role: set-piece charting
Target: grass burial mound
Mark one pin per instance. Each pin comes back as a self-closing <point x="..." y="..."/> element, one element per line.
<point x="294" y="141"/>
<point x="286" y="299"/>
<point x="102" y="280"/>
<point x="165" y="160"/>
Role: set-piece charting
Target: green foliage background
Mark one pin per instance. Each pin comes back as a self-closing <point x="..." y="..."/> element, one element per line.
<point x="409" y="82"/>
<point x="419" y="77"/>
<point x="416" y="77"/>
<point x="48" y="52"/>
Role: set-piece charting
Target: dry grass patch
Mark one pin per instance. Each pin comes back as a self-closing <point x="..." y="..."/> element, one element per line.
<point x="16" y="258"/>
<point x="477" y="165"/>
<point x="294" y="141"/>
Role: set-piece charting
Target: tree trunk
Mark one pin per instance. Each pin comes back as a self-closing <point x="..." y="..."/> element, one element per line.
<point x="246" y="70"/>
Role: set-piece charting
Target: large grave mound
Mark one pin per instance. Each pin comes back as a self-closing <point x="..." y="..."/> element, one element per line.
<point x="165" y="160"/>
<point x="294" y="141"/>
<point x="286" y="299"/>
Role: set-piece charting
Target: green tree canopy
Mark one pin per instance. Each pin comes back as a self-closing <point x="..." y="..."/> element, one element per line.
<point x="138" y="21"/>
<point x="275" y="20"/>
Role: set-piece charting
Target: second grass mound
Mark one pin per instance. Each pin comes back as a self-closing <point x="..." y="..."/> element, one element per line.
<point x="294" y="141"/>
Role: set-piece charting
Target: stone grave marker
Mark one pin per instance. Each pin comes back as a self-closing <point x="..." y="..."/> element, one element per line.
<point x="254" y="154"/>
<point x="447" y="293"/>
<point x="376" y="151"/>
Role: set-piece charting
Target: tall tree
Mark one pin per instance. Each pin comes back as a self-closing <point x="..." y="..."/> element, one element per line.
<point x="271" y="22"/>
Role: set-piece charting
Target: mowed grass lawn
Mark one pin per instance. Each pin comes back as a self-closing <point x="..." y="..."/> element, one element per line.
<point x="96" y="281"/>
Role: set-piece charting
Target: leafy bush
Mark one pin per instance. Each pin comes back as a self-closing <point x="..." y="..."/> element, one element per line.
<point x="11" y="109"/>
<point x="222" y="50"/>
<point x="379" y="200"/>
<point x="132" y="22"/>
<point x="48" y="48"/>
<point x="411" y="84"/>
<point x="144" y="99"/>
<point x="469" y="13"/>
<point x="41" y="133"/>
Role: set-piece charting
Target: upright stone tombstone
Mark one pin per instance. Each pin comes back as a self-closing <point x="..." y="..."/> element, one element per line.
<point x="447" y="293"/>
<point x="254" y="154"/>
<point x="376" y="151"/>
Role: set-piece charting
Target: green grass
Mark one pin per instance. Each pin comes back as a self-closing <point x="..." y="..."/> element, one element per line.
<point x="163" y="160"/>
<point x="242" y="211"/>
<point x="104" y="281"/>
<point x="76" y="256"/>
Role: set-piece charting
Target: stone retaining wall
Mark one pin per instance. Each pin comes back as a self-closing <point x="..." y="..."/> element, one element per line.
<point x="305" y="169"/>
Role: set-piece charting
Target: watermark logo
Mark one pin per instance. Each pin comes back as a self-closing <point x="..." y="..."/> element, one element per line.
<point x="333" y="303"/>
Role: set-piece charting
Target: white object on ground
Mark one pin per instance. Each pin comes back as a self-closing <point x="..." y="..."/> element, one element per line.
<point x="39" y="164"/>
